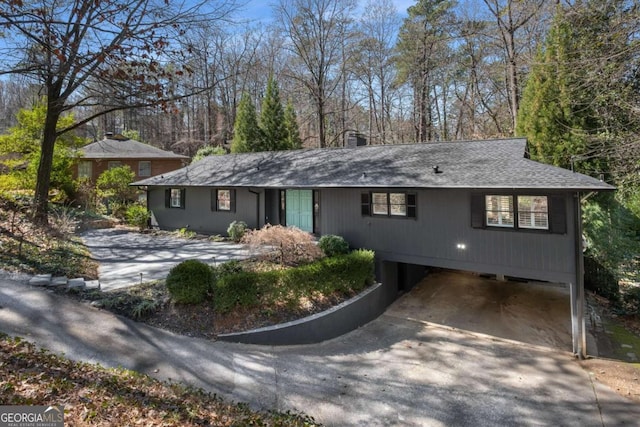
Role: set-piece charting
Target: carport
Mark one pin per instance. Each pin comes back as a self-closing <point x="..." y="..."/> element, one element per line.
<point x="536" y="313"/>
<point x="550" y="314"/>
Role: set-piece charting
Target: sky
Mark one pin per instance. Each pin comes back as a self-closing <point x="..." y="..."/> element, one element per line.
<point x="260" y="10"/>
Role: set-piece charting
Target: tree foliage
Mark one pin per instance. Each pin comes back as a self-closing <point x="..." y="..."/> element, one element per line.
<point x="208" y="150"/>
<point x="579" y="110"/>
<point x="292" y="140"/>
<point x="247" y="135"/>
<point x="272" y="120"/>
<point x="84" y="52"/>
<point x="20" y="148"/>
<point x="113" y="184"/>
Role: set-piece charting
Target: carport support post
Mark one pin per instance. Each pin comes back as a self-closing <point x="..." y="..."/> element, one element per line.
<point x="577" y="289"/>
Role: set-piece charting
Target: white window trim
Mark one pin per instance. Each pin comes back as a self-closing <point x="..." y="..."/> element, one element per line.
<point x="374" y="204"/>
<point x="176" y="200"/>
<point x="227" y="200"/>
<point x="499" y="213"/>
<point x="532" y="212"/>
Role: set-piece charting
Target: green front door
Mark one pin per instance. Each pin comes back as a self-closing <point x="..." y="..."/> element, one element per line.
<point x="299" y="209"/>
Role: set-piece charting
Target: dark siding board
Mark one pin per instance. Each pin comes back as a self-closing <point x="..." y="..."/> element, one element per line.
<point x="197" y="213"/>
<point x="442" y="223"/>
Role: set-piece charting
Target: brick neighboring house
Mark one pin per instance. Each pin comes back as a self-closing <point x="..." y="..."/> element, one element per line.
<point x="117" y="150"/>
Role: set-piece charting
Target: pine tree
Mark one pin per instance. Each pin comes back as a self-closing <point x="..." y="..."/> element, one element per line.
<point x="247" y="135"/>
<point x="293" y="140"/>
<point x="272" y="121"/>
<point x="555" y="114"/>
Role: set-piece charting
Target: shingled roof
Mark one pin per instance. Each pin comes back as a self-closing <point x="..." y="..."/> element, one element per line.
<point x="490" y="164"/>
<point x="118" y="147"/>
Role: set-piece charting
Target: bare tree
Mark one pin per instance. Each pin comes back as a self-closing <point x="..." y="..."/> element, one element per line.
<point x="422" y="45"/>
<point x="317" y="30"/>
<point x="64" y="45"/>
<point x="374" y="64"/>
<point x="511" y="16"/>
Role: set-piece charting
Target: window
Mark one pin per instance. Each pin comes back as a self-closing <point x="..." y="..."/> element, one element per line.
<point x="395" y="204"/>
<point x="398" y="204"/>
<point x="380" y="203"/>
<point x="499" y="211"/>
<point x="520" y="212"/>
<point x="85" y="169"/>
<point x="175" y="198"/>
<point x="533" y="212"/>
<point x="114" y="164"/>
<point x="223" y="200"/>
<point x="144" y="168"/>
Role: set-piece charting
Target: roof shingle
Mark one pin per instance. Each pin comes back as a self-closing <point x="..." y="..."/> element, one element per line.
<point x="118" y="148"/>
<point x="490" y="164"/>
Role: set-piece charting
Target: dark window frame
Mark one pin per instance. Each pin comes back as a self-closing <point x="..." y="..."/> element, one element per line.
<point x="556" y="213"/>
<point x="410" y="204"/>
<point x="215" y="200"/>
<point x="168" y="198"/>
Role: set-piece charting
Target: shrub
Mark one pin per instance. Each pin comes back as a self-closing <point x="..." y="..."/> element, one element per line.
<point x="237" y="230"/>
<point x="343" y="273"/>
<point x="137" y="216"/>
<point x="113" y="184"/>
<point x="227" y="268"/>
<point x="185" y="233"/>
<point x="190" y="281"/>
<point x="333" y="245"/>
<point x="239" y="289"/>
<point x="290" y="245"/>
<point x="631" y="299"/>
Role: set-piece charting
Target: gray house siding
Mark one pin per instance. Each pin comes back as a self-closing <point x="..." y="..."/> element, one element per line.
<point x="443" y="222"/>
<point x="197" y="214"/>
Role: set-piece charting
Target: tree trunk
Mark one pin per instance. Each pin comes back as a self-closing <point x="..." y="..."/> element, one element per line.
<point x="512" y="70"/>
<point x="49" y="136"/>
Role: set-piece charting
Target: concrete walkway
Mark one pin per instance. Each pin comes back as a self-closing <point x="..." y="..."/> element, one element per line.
<point x="126" y="258"/>
<point x="393" y="371"/>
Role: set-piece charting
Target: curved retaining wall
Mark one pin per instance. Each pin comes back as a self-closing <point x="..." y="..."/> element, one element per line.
<point x="328" y="324"/>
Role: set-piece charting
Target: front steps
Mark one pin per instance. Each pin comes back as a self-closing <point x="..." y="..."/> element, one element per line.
<point x="47" y="280"/>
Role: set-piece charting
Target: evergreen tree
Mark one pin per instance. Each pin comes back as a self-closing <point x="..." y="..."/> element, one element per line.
<point x="272" y="120"/>
<point x="577" y="110"/>
<point x="247" y="135"/>
<point x="546" y="116"/>
<point x="293" y="140"/>
<point x="558" y="114"/>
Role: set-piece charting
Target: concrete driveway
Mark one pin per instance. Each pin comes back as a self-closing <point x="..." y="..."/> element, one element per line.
<point x="126" y="257"/>
<point x="393" y="371"/>
<point x="533" y="313"/>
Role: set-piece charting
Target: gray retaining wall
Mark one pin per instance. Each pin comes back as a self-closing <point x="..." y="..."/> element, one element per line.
<point x="331" y="323"/>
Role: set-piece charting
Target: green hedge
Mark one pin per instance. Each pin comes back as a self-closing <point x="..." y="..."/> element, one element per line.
<point x="190" y="281"/>
<point x="342" y="273"/>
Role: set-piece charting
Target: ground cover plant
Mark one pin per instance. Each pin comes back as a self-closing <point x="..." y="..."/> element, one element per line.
<point x="93" y="395"/>
<point x="31" y="248"/>
<point x="238" y="295"/>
